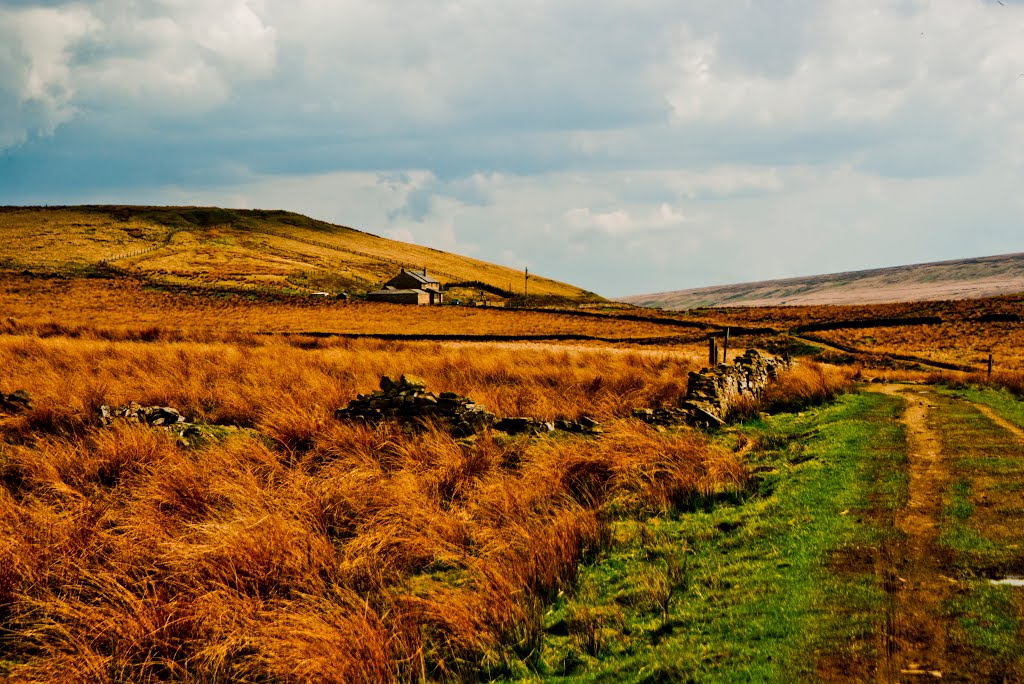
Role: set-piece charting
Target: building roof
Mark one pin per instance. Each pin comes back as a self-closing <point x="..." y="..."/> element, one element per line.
<point x="394" y="290"/>
<point x="421" y="277"/>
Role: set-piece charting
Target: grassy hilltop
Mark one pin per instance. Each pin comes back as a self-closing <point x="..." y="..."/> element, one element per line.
<point x="238" y="249"/>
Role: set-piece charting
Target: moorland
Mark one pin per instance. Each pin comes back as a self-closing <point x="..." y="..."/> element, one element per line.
<point x="856" y="521"/>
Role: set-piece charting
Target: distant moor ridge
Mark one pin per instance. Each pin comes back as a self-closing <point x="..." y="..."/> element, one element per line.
<point x="944" y="280"/>
<point x="241" y="250"/>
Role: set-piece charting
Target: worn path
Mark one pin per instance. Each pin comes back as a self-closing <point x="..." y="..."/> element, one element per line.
<point x="914" y="637"/>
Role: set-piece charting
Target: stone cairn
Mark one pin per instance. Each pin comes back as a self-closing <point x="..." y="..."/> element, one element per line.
<point x="408" y="402"/>
<point x="17" y="401"/>
<point x="711" y="392"/>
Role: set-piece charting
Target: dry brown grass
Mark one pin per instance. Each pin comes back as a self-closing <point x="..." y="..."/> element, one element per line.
<point x="312" y="550"/>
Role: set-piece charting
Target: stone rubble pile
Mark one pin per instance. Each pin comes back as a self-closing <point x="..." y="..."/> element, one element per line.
<point x="17" y="401"/>
<point x="408" y="401"/>
<point x="520" y="425"/>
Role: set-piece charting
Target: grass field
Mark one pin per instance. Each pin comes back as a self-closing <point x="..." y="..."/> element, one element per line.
<point x="838" y="532"/>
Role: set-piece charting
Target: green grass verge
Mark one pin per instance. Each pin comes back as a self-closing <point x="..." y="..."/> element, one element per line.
<point x="982" y="530"/>
<point x="777" y="587"/>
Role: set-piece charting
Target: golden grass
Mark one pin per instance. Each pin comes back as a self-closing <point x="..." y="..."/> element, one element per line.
<point x="313" y="550"/>
<point x="57" y="237"/>
<point x="267" y="380"/>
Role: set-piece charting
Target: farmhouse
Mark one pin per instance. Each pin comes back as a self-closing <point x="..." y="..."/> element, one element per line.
<point x="409" y="287"/>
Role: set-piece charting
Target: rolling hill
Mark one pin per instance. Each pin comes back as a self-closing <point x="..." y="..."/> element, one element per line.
<point x="944" y="280"/>
<point x="236" y="249"/>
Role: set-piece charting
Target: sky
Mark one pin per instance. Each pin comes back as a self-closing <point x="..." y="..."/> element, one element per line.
<point x="625" y="146"/>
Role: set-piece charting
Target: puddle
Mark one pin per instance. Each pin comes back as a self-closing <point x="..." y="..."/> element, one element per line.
<point x="1010" y="581"/>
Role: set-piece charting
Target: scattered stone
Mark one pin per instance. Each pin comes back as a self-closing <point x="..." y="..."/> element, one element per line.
<point x="515" y="425"/>
<point x="163" y="417"/>
<point x="407" y="401"/>
<point x="17" y="401"/>
<point x="136" y="413"/>
<point x="520" y="425"/>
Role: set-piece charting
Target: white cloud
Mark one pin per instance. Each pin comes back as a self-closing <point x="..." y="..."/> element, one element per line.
<point x="862" y="64"/>
<point x="174" y="58"/>
<point x="162" y="58"/>
<point x="36" y="84"/>
<point x="622" y="222"/>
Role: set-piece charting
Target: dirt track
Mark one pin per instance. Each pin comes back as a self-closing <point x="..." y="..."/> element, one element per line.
<point x="914" y="637"/>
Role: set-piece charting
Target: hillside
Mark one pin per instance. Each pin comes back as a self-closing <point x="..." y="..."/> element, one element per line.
<point x="959" y="279"/>
<point x="235" y="249"/>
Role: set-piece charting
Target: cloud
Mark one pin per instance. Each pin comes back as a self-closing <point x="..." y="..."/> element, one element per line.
<point x="622" y="222"/>
<point x="622" y="145"/>
<point x="142" y="59"/>
<point x="36" y="85"/>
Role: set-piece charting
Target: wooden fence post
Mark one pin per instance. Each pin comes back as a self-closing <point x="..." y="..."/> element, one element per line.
<point x="712" y="352"/>
<point x="725" y="347"/>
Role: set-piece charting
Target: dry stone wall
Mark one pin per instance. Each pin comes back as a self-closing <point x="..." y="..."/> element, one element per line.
<point x="712" y="392"/>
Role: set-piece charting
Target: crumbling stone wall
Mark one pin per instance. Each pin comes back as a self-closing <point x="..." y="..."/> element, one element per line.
<point x="712" y="392"/>
<point x="162" y="417"/>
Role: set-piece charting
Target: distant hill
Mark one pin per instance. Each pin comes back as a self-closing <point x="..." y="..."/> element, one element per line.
<point x="236" y="249"/>
<point x="959" y="279"/>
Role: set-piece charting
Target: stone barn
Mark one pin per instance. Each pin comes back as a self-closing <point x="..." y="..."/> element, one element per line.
<point x="409" y="287"/>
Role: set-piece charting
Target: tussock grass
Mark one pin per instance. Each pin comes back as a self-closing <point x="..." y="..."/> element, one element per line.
<point x="308" y="549"/>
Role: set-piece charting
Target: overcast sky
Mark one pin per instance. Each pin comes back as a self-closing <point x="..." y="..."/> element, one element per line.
<point x="625" y="146"/>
